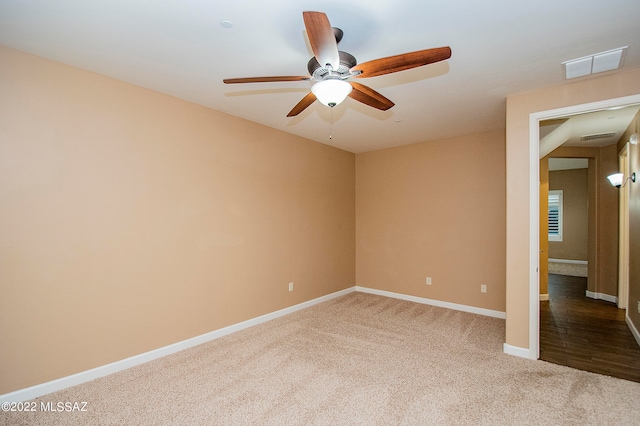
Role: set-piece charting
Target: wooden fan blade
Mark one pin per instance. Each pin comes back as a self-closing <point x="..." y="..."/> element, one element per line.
<point x="302" y="105"/>
<point x="402" y="62"/>
<point x="370" y="97"/>
<point x="322" y="38"/>
<point x="264" y="79"/>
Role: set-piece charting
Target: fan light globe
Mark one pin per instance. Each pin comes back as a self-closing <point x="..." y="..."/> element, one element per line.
<point x="616" y="179"/>
<point x="331" y="92"/>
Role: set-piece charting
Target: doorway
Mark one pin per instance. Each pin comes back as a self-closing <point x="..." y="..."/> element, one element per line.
<point x="534" y="201"/>
<point x="567" y="217"/>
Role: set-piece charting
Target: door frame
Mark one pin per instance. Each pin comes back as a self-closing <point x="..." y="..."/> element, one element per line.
<point x="623" y="231"/>
<point x="534" y="201"/>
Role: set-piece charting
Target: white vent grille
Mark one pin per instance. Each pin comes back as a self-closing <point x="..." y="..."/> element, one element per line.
<point x="592" y="64"/>
<point x="597" y="136"/>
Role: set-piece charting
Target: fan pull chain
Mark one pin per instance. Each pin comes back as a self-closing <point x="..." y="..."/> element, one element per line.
<point x="331" y="125"/>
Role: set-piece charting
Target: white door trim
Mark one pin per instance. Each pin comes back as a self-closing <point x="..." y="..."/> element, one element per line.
<point x="623" y="231"/>
<point x="534" y="200"/>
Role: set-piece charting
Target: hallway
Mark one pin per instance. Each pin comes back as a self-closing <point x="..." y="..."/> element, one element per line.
<point x="584" y="333"/>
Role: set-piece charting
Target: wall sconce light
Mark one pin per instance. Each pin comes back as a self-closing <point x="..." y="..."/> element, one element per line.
<point x="618" y="180"/>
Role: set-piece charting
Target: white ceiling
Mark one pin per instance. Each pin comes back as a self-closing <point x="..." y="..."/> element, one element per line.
<point x="568" y="163"/>
<point x="178" y="47"/>
<point x="594" y="129"/>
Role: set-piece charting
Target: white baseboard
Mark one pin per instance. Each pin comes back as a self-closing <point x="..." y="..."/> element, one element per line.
<point x="544" y="297"/>
<point x="86" y="376"/>
<point x="439" y="303"/>
<point x="602" y="296"/>
<point x="95" y="373"/>
<point x="633" y="328"/>
<point x="518" y="351"/>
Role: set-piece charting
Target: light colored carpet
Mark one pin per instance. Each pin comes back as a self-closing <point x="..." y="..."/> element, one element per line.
<point x="571" y="269"/>
<point x="358" y="359"/>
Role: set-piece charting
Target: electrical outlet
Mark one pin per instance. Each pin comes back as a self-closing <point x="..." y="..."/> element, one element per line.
<point x="290" y="286"/>
<point x="483" y="288"/>
<point x="428" y="281"/>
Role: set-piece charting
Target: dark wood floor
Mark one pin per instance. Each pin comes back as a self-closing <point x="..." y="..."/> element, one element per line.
<point x="584" y="333"/>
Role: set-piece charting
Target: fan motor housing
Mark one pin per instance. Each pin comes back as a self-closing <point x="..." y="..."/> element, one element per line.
<point x="319" y="72"/>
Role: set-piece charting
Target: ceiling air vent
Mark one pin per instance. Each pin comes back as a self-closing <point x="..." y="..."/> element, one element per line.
<point x="597" y="136"/>
<point x="592" y="64"/>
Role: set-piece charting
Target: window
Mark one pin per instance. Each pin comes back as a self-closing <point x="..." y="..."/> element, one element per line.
<point x="555" y="215"/>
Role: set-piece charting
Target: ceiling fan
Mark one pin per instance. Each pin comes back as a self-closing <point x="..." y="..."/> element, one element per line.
<point x="332" y="69"/>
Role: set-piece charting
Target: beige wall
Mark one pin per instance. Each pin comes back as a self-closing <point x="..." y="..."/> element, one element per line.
<point x="608" y="218"/>
<point x="574" y="244"/>
<point x="434" y="209"/>
<point x="634" y="223"/>
<point x="130" y="220"/>
<point x="519" y="108"/>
